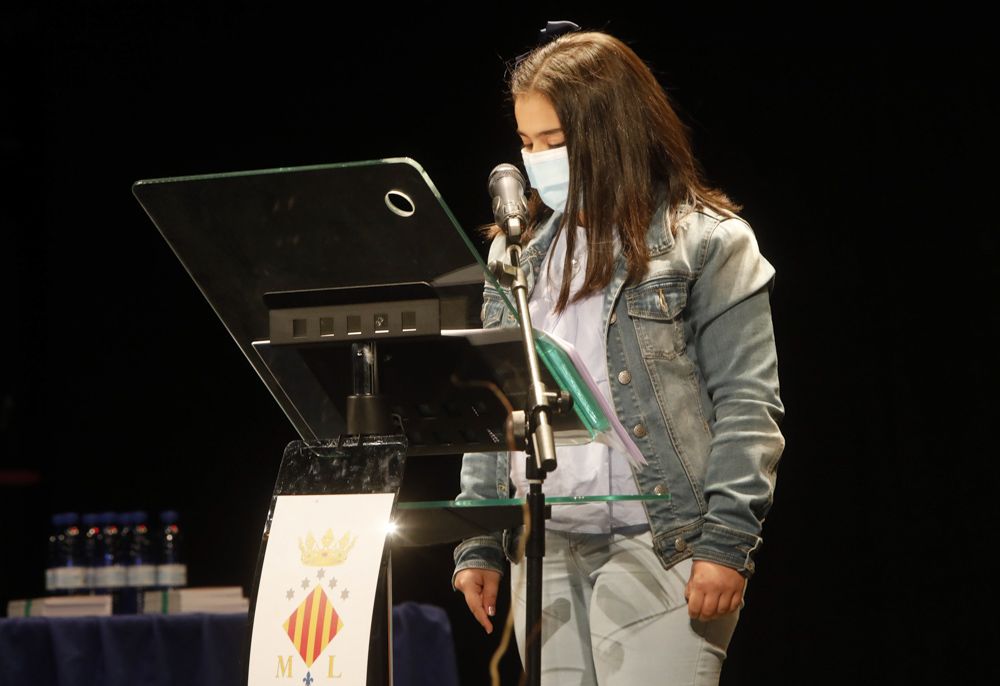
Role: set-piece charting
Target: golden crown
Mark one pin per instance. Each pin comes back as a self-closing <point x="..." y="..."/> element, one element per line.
<point x="329" y="554"/>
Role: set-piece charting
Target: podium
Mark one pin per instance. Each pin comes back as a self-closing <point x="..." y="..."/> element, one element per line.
<point x="355" y="296"/>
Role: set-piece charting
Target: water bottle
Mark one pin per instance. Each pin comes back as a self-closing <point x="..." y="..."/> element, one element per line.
<point x="126" y="598"/>
<point x="109" y="575"/>
<point x="172" y="570"/>
<point x="68" y="571"/>
<point x="56" y="525"/>
<point x="141" y="567"/>
<point x="93" y="548"/>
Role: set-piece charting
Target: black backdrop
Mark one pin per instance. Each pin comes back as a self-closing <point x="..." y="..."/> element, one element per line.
<point x="857" y="145"/>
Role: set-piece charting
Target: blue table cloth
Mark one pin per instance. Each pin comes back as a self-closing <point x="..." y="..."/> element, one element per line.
<point x="190" y="649"/>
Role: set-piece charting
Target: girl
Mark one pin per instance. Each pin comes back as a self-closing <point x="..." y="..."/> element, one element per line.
<point x="660" y="285"/>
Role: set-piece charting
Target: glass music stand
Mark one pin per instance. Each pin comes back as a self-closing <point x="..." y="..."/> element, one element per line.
<point x="355" y="295"/>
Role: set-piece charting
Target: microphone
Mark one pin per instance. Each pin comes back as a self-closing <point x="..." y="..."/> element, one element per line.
<point x="510" y="209"/>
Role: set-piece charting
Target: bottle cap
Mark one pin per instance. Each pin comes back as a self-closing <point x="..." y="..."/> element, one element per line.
<point x="169" y="516"/>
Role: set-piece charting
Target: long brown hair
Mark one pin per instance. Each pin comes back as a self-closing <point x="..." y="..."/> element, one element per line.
<point x="628" y="151"/>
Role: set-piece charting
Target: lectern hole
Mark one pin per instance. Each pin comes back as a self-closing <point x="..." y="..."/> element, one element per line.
<point x="299" y="328"/>
<point x="400" y="203"/>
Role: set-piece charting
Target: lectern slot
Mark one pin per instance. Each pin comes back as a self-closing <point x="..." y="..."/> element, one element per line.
<point x="409" y="320"/>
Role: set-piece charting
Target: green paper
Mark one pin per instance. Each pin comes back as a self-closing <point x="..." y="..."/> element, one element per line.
<point x="565" y="373"/>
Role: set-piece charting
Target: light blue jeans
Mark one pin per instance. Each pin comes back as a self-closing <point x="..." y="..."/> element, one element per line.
<point x="611" y="615"/>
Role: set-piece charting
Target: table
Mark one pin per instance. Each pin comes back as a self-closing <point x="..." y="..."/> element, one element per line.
<point x="190" y="649"/>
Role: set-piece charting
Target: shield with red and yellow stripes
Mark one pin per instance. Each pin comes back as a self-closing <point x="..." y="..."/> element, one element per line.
<point x="313" y="625"/>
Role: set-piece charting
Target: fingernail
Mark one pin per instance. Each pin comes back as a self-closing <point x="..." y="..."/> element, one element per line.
<point x="491" y="611"/>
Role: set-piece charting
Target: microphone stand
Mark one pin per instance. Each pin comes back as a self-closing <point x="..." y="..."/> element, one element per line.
<point x="540" y="456"/>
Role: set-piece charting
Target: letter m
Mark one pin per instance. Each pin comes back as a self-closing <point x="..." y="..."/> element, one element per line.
<point x="284" y="668"/>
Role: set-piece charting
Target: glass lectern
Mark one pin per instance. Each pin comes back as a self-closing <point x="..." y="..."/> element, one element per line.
<point x="355" y="295"/>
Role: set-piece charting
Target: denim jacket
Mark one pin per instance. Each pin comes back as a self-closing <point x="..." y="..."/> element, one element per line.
<point x="701" y="397"/>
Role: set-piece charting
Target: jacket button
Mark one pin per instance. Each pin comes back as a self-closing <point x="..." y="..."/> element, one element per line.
<point x="624" y="377"/>
<point x="639" y="430"/>
<point x="658" y="489"/>
<point x="614" y="317"/>
<point x="680" y="545"/>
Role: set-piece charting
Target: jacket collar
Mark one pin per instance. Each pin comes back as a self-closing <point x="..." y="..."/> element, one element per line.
<point x="534" y="252"/>
<point x="659" y="238"/>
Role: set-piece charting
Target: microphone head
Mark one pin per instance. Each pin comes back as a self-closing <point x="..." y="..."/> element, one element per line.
<point x="510" y="209"/>
<point x="504" y="171"/>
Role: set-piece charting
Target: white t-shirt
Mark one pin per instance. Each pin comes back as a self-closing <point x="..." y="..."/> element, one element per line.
<point x="593" y="468"/>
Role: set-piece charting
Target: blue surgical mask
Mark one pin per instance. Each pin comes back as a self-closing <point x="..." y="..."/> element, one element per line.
<point x="548" y="173"/>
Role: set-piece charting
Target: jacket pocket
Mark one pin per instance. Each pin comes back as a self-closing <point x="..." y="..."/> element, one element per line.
<point x="656" y="309"/>
<point x="495" y="312"/>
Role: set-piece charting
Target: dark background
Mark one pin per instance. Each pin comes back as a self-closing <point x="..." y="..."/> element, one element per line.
<point x="857" y="145"/>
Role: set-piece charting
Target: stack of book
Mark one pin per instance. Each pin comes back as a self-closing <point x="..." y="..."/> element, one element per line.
<point x="61" y="606"/>
<point x="211" y="599"/>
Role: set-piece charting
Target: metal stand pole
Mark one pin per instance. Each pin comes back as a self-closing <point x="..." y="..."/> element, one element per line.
<point x="541" y="458"/>
<point x="367" y="414"/>
<point x="534" y="552"/>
